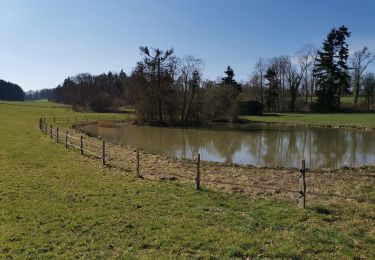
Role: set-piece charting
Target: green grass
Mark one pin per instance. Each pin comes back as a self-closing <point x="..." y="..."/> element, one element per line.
<point x="349" y="100"/>
<point x="55" y="203"/>
<point x="127" y="109"/>
<point x="337" y="119"/>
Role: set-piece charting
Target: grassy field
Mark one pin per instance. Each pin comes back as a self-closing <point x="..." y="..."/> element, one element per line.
<point x="337" y="119"/>
<point x="55" y="203"/>
<point x="345" y="100"/>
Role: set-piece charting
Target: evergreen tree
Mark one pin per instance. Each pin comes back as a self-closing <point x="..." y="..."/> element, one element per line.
<point x="11" y="92"/>
<point x="229" y="81"/>
<point x="229" y="78"/>
<point x="331" y="70"/>
<point x="156" y="61"/>
<point x="342" y="57"/>
<point x="271" y="94"/>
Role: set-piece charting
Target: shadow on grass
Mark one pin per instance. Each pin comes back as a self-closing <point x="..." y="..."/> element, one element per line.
<point x="322" y="210"/>
<point x="271" y="115"/>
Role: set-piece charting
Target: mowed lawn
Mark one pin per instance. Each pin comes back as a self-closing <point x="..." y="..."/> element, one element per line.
<point x="335" y="119"/>
<point x="56" y="203"/>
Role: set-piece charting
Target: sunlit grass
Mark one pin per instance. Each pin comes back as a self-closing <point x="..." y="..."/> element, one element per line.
<point x="336" y="119"/>
<point x="55" y="203"/>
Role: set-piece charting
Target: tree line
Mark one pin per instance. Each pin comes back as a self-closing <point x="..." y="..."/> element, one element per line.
<point x="10" y="91"/>
<point x="314" y="79"/>
<point x="40" y="94"/>
<point x="101" y="93"/>
<point x="164" y="88"/>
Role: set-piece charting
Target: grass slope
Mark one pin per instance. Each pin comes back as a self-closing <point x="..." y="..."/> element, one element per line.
<point x="336" y="119"/>
<point x="55" y="203"/>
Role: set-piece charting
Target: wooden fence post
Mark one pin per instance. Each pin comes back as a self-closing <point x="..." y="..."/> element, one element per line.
<point x="57" y="135"/>
<point x="68" y="120"/>
<point x="66" y="139"/>
<point x="302" y="187"/>
<point x="103" y="153"/>
<point x="81" y="144"/>
<point x="50" y="131"/>
<point x="198" y="174"/>
<point x="40" y="123"/>
<point x="137" y="164"/>
<point x="76" y="119"/>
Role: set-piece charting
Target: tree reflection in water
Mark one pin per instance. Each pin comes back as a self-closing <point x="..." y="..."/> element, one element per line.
<point x="254" y="144"/>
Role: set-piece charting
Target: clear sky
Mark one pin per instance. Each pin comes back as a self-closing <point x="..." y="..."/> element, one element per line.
<point x="44" y="41"/>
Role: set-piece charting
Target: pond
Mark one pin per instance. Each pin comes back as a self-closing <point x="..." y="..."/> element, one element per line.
<point x="250" y="144"/>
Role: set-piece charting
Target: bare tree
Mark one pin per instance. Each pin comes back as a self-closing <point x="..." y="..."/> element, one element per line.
<point x="293" y="80"/>
<point x="252" y="89"/>
<point x="260" y="67"/>
<point x="193" y="108"/>
<point x="282" y="64"/>
<point x="312" y="76"/>
<point x="278" y="66"/>
<point x="368" y="81"/>
<point x="360" y="60"/>
<point x="305" y="58"/>
<point x="190" y="68"/>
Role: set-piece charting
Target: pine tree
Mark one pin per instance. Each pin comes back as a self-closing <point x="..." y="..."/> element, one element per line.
<point x="331" y="70"/>
<point x="271" y="95"/>
<point x="229" y="81"/>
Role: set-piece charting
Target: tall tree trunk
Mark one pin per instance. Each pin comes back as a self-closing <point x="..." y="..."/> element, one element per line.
<point x="160" y="95"/>
<point x="368" y="103"/>
<point x="339" y="98"/>
<point x="292" y="99"/>
<point x="184" y="101"/>
<point x="283" y="94"/>
<point x="261" y="88"/>
<point x="312" y="89"/>
<point x="356" y="86"/>
<point x="306" y="90"/>
<point x="189" y="108"/>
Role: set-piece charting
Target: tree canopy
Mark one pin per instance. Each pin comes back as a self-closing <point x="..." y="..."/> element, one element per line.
<point x="11" y="92"/>
<point x="331" y="69"/>
<point x="164" y="88"/>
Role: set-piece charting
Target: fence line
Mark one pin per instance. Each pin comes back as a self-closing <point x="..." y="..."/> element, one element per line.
<point x="83" y="118"/>
<point x="103" y="155"/>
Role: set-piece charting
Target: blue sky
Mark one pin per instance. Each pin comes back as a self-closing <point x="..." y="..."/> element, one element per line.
<point x="44" y="41"/>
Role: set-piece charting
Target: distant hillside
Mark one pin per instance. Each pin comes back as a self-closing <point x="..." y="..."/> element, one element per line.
<point x="10" y="91"/>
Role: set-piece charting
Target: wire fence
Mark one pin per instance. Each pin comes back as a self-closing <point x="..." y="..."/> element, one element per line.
<point x="85" y="118"/>
<point x="290" y="183"/>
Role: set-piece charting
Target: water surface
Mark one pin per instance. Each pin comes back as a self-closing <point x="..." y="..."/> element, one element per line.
<point x="255" y="144"/>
